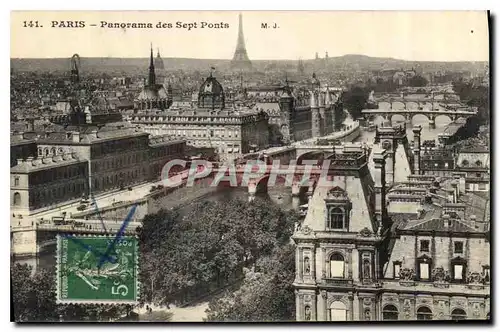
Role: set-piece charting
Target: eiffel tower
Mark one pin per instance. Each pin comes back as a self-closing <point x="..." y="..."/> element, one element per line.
<point x="240" y="59"/>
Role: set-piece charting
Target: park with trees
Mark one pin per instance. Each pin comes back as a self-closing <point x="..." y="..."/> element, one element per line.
<point x="230" y="251"/>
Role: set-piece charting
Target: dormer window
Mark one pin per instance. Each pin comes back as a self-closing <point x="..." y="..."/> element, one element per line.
<point x="397" y="269"/>
<point x="486" y="274"/>
<point x="338" y="207"/>
<point x="336" y="218"/>
<point x="424" y="246"/>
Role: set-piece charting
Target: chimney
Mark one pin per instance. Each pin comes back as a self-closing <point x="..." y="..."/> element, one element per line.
<point x="93" y="133"/>
<point x="29" y="159"/>
<point x="451" y="195"/>
<point x="379" y="178"/>
<point x="416" y="148"/>
<point x="446" y="220"/>
<point x="19" y="134"/>
<point x="473" y="219"/>
<point x="460" y="177"/>
<point x="20" y="161"/>
<point x="420" y="212"/>
<point x="454" y="185"/>
<point x="76" y="136"/>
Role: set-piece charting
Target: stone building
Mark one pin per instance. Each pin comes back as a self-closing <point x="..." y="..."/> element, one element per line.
<point x="322" y="115"/>
<point x="475" y="164"/>
<point x="154" y="95"/>
<point x="89" y="146"/>
<point x="47" y="181"/>
<point x="20" y="148"/>
<point x="339" y="241"/>
<point x="209" y="122"/>
<point x="118" y="156"/>
<point x="362" y="256"/>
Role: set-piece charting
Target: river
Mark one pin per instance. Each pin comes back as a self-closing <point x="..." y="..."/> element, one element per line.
<point x="427" y="133"/>
<point x="279" y="195"/>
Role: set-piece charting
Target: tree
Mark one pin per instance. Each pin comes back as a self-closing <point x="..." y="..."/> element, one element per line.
<point x="267" y="293"/>
<point x="188" y="255"/>
<point x="417" y="81"/>
<point x="34" y="300"/>
<point x="474" y="96"/>
<point x="355" y="101"/>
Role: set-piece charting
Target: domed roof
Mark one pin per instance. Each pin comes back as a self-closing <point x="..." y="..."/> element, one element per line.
<point x="211" y="86"/>
<point x="211" y="94"/>
<point x="159" y="62"/>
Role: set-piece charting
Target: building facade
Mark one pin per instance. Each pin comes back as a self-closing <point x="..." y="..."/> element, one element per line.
<point x="421" y="253"/>
<point x="39" y="182"/>
<point x="209" y="122"/>
<point x="323" y="114"/>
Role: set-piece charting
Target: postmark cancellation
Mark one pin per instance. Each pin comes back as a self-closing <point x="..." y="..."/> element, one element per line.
<point x="97" y="270"/>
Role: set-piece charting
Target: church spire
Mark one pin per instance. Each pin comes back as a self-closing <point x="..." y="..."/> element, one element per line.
<point x="152" y="76"/>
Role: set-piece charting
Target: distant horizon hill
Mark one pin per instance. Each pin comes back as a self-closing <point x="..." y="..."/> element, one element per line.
<point x="348" y="61"/>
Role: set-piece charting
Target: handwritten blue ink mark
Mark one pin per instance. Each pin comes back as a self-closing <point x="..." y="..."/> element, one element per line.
<point x="96" y="208"/>
<point x="106" y="256"/>
<point x="118" y="235"/>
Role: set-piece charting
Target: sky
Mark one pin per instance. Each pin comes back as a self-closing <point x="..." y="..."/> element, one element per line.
<point x="408" y="35"/>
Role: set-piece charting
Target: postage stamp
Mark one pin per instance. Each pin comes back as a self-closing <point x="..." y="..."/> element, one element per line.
<point x="97" y="269"/>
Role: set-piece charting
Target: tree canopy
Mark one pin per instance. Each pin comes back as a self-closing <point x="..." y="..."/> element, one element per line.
<point x="187" y="255"/>
<point x="34" y="300"/>
<point x="355" y="100"/>
<point x="267" y="293"/>
<point x="417" y="81"/>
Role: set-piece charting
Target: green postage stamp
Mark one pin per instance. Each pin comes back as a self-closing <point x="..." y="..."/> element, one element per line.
<point x="97" y="269"/>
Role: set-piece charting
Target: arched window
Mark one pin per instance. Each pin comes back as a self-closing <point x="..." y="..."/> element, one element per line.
<point x="424" y="313"/>
<point x="53" y="151"/>
<point x="390" y="312"/>
<point x="458" y="314"/>
<point x="337" y="266"/>
<point x="17" y="199"/>
<point x="465" y="163"/>
<point x="367" y="269"/>
<point x="336" y="218"/>
<point x="479" y="163"/>
<point x="46" y="152"/>
<point x="338" y="311"/>
<point x="307" y="313"/>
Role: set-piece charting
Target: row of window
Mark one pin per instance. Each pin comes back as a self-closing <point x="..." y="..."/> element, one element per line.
<point x="45" y="152"/>
<point x="118" y="179"/>
<point x="56" y="174"/>
<point x="390" y="312"/>
<point x="466" y="163"/>
<point x="49" y="196"/>
<point x="458" y="246"/>
<point x="424" y="268"/>
<point x="337" y="266"/>
<point x="338" y="312"/>
<point x="222" y="119"/>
